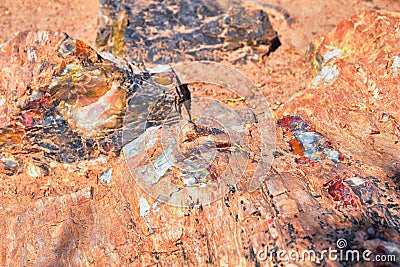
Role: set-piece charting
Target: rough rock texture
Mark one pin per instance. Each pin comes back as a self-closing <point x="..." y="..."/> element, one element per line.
<point x="50" y="85"/>
<point x="355" y="90"/>
<point x="323" y="186"/>
<point x="176" y="30"/>
<point x="61" y="111"/>
<point x="353" y="102"/>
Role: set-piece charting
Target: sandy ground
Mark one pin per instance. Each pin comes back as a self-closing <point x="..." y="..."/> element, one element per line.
<point x="75" y="17"/>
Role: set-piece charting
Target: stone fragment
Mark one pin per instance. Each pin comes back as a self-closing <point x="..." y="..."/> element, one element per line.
<point x="107" y="176"/>
<point x="58" y="90"/>
<point x="349" y="108"/>
<point x="305" y="142"/>
<point x="173" y="30"/>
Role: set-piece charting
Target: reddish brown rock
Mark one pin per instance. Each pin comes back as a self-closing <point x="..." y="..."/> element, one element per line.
<point x="309" y="200"/>
<point x="51" y="70"/>
<point x="51" y="232"/>
<point x="352" y="105"/>
<point x="353" y="97"/>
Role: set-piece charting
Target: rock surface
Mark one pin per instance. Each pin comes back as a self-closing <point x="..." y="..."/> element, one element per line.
<point x="176" y="30"/>
<point x="310" y="198"/>
<point x="356" y="81"/>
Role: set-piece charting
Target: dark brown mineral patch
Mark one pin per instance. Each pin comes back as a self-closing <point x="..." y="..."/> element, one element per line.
<point x="172" y="31"/>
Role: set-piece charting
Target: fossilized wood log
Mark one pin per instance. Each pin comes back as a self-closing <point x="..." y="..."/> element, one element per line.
<point x="308" y="201"/>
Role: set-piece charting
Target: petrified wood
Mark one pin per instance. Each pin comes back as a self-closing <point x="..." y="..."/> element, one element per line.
<point x="71" y="198"/>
